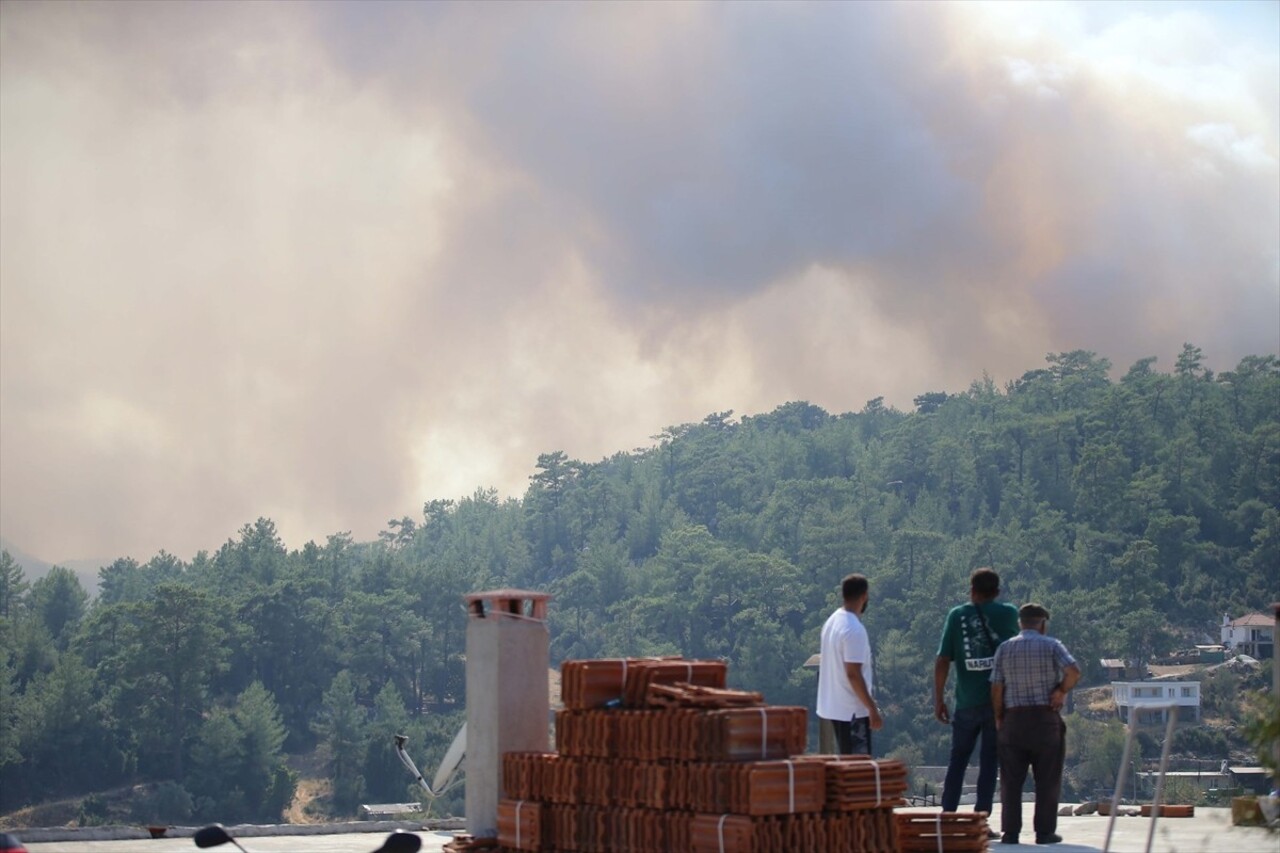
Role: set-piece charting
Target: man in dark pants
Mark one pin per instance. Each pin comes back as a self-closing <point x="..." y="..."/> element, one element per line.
<point x="1030" y="679"/>
<point x="845" y="682"/>
<point x="970" y="638"/>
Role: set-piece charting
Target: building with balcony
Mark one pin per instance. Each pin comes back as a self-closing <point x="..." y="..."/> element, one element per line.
<point x="1151" y="700"/>
<point x="1252" y="635"/>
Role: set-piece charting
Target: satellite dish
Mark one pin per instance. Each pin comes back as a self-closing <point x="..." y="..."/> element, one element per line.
<point x="452" y="758"/>
<point x="444" y="779"/>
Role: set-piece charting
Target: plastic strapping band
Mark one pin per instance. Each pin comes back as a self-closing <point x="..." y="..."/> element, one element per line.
<point x="519" y="806"/>
<point x="938" y="828"/>
<point x="876" y="766"/>
<point x="791" y="784"/>
<point x="764" y="732"/>
<point x="622" y="691"/>
<point x="720" y="831"/>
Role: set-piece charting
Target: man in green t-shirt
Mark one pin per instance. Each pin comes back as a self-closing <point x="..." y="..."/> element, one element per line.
<point x="969" y="639"/>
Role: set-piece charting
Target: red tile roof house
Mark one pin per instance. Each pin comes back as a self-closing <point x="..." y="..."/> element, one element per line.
<point x="1252" y="635"/>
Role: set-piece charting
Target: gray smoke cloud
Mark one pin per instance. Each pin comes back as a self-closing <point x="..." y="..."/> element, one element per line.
<point x="322" y="262"/>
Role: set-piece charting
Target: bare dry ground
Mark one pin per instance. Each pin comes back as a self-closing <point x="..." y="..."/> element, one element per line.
<point x="314" y="789"/>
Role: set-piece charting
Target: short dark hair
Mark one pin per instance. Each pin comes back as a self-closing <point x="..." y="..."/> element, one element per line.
<point x="985" y="582"/>
<point x="853" y="586"/>
<point x="1031" y="613"/>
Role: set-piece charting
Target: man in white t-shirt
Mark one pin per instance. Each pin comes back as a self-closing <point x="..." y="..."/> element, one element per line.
<point x="844" y="672"/>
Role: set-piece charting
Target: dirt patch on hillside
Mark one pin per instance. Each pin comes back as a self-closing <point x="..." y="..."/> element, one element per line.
<point x="1095" y="701"/>
<point x="115" y="805"/>
<point x="309" y="802"/>
<point x="311" y="799"/>
<point x="60" y="813"/>
<point x="1175" y="671"/>
<point x="119" y="806"/>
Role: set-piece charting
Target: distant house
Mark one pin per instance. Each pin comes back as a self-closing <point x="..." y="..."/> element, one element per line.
<point x="1151" y="700"/>
<point x="1210" y="653"/>
<point x="1115" y="669"/>
<point x="1252" y="635"/>
<point x="1255" y="779"/>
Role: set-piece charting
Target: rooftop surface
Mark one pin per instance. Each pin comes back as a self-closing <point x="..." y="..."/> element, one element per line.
<point x="1209" y="831"/>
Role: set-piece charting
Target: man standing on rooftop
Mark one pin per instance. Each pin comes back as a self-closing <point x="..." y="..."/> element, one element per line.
<point x="970" y="638"/>
<point x="845" y="681"/>
<point x="1030" y="679"/>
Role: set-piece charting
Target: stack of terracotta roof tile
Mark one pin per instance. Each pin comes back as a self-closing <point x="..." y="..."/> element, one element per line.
<point x="593" y="830"/>
<point x="743" y="728"/>
<point x="518" y="772"/>
<point x="563" y="823"/>
<point x="586" y="684"/>
<point x="593" y="683"/>
<point x="1169" y="810"/>
<point x="656" y="755"/>
<point x="691" y="696"/>
<point x="942" y="832"/>
<point x="644" y="784"/>
<point x="743" y="734"/>
<point x="869" y="831"/>
<point x="684" y="734"/>
<point x="773" y="787"/>
<point x="696" y="673"/>
<point x="643" y="831"/>
<point x="586" y="733"/>
<point x="723" y="833"/>
<point x="520" y="825"/>
<point x="598" y="777"/>
<point x="669" y="734"/>
<point x="856" y="782"/>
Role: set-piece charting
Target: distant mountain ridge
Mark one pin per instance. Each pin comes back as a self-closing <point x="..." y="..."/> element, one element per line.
<point x="35" y="568"/>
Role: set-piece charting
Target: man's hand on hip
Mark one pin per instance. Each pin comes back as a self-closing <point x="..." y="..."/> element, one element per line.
<point x="877" y="722"/>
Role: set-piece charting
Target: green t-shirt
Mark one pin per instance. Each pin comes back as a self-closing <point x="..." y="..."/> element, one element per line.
<point x="971" y="647"/>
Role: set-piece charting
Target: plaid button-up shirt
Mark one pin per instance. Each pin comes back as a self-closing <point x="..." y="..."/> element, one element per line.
<point x="1029" y="666"/>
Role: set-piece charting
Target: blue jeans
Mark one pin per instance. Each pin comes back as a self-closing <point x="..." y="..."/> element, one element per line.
<point x="967" y="725"/>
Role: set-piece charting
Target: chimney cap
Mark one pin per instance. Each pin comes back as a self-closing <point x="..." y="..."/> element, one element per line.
<point x="520" y="603"/>
<point x="507" y="594"/>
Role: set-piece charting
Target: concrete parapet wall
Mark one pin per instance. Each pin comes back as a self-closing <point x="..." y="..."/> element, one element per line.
<point x="44" y="835"/>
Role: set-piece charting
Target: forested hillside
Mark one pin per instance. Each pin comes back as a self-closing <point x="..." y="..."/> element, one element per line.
<point x="1139" y="509"/>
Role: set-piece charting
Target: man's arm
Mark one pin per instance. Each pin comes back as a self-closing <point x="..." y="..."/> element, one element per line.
<point x="854" y="672"/>
<point x="997" y="685"/>
<point x="941" y="666"/>
<point x="1070" y="677"/>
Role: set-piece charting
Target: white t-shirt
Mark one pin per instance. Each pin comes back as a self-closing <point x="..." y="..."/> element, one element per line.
<point x="844" y="640"/>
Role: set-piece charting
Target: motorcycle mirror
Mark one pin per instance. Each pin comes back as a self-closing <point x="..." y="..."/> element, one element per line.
<point x="400" y="842"/>
<point x="215" y="835"/>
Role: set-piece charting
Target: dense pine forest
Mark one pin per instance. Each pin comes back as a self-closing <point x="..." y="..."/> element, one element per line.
<point x="1139" y="505"/>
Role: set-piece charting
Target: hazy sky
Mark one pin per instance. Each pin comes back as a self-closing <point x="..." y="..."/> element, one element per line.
<point x="322" y="262"/>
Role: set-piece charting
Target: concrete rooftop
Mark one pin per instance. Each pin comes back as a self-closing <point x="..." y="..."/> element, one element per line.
<point x="1210" y="831"/>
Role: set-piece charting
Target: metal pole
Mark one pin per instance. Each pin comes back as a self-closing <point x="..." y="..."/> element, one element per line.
<point x="1275" y="681"/>
<point x="1124" y="765"/>
<point x="1164" y="765"/>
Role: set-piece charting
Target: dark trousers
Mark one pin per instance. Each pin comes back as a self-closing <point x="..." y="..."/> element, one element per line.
<point x="853" y="737"/>
<point x="967" y="726"/>
<point x="1032" y="738"/>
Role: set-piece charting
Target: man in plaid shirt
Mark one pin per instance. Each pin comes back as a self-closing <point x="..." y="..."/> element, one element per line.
<point x="1030" y="679"/>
